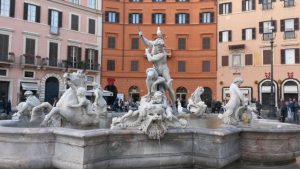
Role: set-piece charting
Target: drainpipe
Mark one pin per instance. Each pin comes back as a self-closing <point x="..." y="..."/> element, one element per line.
<point x="123" y="45"/>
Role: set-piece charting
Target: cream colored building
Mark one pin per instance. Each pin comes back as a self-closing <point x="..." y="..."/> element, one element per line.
<point x="244" y="48"/>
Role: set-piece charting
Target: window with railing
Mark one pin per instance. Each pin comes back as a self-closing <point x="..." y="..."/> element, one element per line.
<point x="267" y="28"/>
<point x="266" y="4"/>
<point x="288" y="27"/>
<point x="289" y="3"/>
<point x="55" y="21"/>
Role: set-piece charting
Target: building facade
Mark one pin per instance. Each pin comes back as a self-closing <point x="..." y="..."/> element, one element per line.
<point x="190" y="33"/>
<point x="245" y="30"/>
<point x="39" y="39"/>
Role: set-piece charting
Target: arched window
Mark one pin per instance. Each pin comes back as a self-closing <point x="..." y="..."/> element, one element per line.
<point x="134" y="93"/>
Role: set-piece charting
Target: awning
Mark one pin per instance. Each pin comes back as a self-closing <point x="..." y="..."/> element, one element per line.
<point x="105" y="93"/>
<point x="29" y="86"/>
<point x="267" y="89"/>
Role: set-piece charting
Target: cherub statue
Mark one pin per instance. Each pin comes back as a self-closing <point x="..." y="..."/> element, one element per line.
<point x="195" y="104"/>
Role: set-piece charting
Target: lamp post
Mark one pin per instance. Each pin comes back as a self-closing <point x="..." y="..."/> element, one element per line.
<point x="272" y="111"/>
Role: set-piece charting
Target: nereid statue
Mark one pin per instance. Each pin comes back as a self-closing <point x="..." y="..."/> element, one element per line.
<point x="154" y="115"/>
<point x="25" y="108"/>
<point x="236" y="109"/>
<point x="195" y="104"/>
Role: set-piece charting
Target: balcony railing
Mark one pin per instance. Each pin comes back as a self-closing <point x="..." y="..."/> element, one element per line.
<point x="289" y="3"/>
<point x="289" y="35"/>
<point x="7" y="58"/>
<point x="267" y="6"/>
<point x="54" y="30"/>
<point x="267" y="36"/>
<point x="30" y="60"/>
<point x="54" y="63"/>
<point x="93" y="66"/>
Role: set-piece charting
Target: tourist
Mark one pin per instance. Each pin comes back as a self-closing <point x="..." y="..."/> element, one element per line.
<point x="258" y="108"/>
<point x="296" y="109"/>
<point x="283" y="111"/>
<point x="290" y="110"/>
<point x="8" y="107"/>
<point x="213" y="106"/>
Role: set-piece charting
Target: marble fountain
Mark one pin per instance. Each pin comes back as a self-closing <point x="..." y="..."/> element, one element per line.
<point x="75" y="134"/>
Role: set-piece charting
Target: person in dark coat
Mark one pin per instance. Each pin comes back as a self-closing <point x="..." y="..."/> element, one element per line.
<point x="258" y="108"/>
<point x="8" y="107"/>
<point x="283" y="111"/>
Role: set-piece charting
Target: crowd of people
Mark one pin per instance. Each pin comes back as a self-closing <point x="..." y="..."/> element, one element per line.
<point x="289" y="111"/>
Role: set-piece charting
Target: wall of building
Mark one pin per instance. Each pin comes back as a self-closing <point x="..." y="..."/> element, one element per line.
<point x="193" y="55"/>
<point x="18" y="29"/>
<point x="254" y="75"/>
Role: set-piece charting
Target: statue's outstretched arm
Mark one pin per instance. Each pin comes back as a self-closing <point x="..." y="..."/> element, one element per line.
<point x="147" y="42"/>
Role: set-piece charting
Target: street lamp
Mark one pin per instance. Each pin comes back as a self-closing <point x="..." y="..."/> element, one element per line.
<point x="272" y="111"/>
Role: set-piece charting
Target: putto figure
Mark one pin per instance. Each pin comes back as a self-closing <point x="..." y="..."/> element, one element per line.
<point x="25" y="108"/>
<point x="160" y="73"/>
<point x="235" y="103"/>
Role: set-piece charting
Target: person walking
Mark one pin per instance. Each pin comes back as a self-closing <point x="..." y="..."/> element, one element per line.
<point x="296" y="109"/>
<point x="258" y="108"/>
<point x="283" y="111"/>
<point x="8" y="107"/>
<point x="291" y="110"/>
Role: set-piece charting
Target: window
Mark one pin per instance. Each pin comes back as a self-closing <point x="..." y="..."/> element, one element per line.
<point x="135" y="18"/>
<point x="54" y="20"/>
<point x="112" y="17"/>
<point x="75" y="1"/>
<point x="288" y="26"/>
<point x="206" y="66"/>
<point x="236" y="60"/>
<point x="4" y="48"/>
<point x="289" y="3"/>
<point x="30" y="47"/>
<point x="91" y="59"/>
<point x="225" y="61"/>
<point x="267" y="28"/>
<point x="111" y="42"/>
<point x="110" y="65"/>
<point x="92" y="4"/>
<point x="206" y="43"/>
<point x="3" y="72"/>
<point x="248" y="59"/>
<point x="158" y="0"/>
<point x="90" y="79"/>
<point x="248" y="5"/>
<point x="267" y="4"/>
<point x="135" y="1"/>
<point x="74" y="56"/>
<point x="207" y="17"/>
<point x="182" y="18"/>
<point x="181" y="66"/>
<point x="225" y="36"/>
<point x="134" y="65"/>
<point x="92" y="26"/>
<point x="267" y="57"/>
<point x="28" y="74"/>
<point x="7" y="8"/>
<point x="290" y="56"/>
<point x="53" y="53"/>
<point x="31" y="12"/>
<point x="134" y="43"/>
<point x="74" y="22"/>
<point x="158" y="18"/>
<point x="182" y="1"/>
<point x="225" y="8"/>
<point x="181" y="43"/>
<point x="248" y="34"/>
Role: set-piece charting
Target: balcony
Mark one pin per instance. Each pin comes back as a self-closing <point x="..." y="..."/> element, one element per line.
<point x="289" y="35"/>
<point x="30" y="61"/>
<point x="93" y="67"/>
<point x="53" y="63"/>
<point x="7" y="60"/>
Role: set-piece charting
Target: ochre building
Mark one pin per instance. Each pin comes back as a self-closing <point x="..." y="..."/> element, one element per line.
<point x="190" y="38"/>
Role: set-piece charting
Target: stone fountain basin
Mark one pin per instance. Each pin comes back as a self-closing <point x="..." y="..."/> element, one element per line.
<point x="202" y="148"/>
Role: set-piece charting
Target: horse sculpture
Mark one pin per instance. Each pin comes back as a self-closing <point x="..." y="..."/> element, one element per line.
<point x="73" y="109"/>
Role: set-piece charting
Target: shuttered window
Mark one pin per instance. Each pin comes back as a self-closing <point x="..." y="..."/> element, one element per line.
<point x="74" y="22"/>
<point x="206" y="43"/>
<point x="134" y="65"/>
<point x="111" y="65"/>
<point x="181" y="43"/>
<point x="248" y="59"/>
<point x="267" y="57"/>
<point x="92" y="26"/>
<point x="206" y="66"/>
<point x="225" y="8"/>
<point x="4" y="41"/>
<point x="181" y="66"/>
<point x="225" y="60"/>
<point x="111" y="42"/>
<point x="134" y="43"/>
